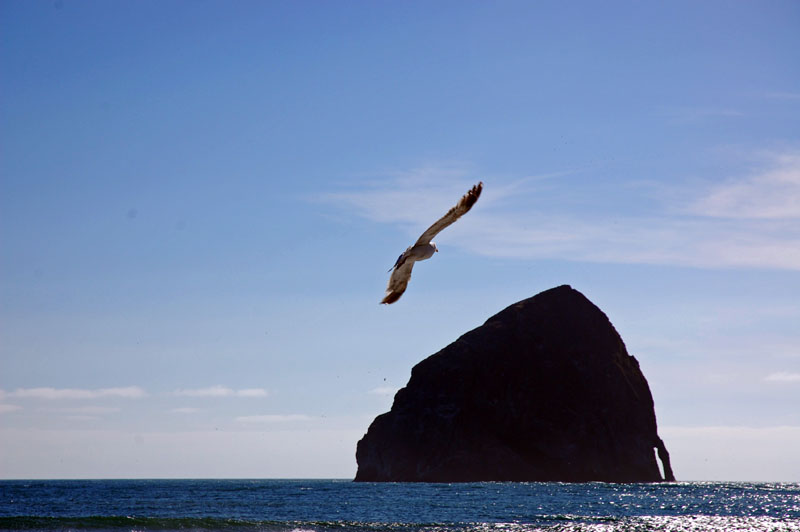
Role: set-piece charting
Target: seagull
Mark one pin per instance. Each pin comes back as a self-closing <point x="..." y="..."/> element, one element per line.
<point x="423" y="248"/>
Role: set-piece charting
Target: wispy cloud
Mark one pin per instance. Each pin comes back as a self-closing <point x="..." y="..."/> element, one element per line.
<point x="221" y="391"/>
<point x="129" y="392"/>
<point x="272" y="418"/>
<point x="185" y="410"/>
<point x="252" y="392"/>
<point x="748" y="221"/>
<point x="771" y="193"/>
<point x="783" y="376"/>
<point x="83" y="410"/>
<point x="383" y="390"/>
<point x="421" y="192"/>
<point x="5" y="408"/>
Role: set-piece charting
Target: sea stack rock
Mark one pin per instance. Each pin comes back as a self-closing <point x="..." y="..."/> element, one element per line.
<point x="543" y="391"/>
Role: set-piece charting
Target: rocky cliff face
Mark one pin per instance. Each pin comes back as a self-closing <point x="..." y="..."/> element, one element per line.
<point x="543" y="391"/>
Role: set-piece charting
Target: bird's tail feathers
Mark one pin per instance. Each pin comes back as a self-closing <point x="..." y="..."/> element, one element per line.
<point x="391" y="297"/>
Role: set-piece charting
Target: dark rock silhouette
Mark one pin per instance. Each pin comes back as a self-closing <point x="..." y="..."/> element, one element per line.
<point x="543" y="391"/>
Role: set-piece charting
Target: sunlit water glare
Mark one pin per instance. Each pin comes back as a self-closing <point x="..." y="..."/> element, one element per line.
<point x="339" y="505"/>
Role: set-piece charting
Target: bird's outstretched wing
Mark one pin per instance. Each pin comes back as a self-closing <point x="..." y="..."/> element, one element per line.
<point x="401" y="272"/>
<point x="464" y="204"/>
<point x="398" y="282"/>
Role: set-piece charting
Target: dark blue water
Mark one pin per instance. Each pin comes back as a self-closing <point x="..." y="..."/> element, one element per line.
<point x="341" y="505"/>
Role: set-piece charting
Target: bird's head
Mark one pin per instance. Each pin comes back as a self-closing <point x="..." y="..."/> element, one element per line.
<point x="435" y="249"/>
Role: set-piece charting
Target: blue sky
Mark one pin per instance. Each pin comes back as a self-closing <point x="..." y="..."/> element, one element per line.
<point x="199" y="202"/>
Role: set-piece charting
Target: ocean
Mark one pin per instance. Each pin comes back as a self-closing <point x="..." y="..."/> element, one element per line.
<point x="345" y="506"/>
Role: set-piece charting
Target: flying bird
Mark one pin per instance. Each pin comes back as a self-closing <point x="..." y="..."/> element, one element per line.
<point x="423" y="248"/>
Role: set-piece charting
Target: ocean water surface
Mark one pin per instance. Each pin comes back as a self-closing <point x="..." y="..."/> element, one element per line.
<point x="345" y="506"/>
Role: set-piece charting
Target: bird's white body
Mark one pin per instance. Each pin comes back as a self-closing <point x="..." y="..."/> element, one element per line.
<point x="424" y="251"/>
<point x="416" y="253"/>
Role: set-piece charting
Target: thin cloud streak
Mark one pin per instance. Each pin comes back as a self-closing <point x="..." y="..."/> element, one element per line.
<point x="185" y="410"/>
<point x="383" y="390"/>
<point x="657" y="240"/>
<point x="272" y="418"/>
<point x="83" y="410"/>
<point x="419" y="197"/>
<point x="46" y="393"/>
<point x="252" y="392"/>
<point x="221" y="391"/>
<point x="783" y="376"/>
<point x="78" y="417"/>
